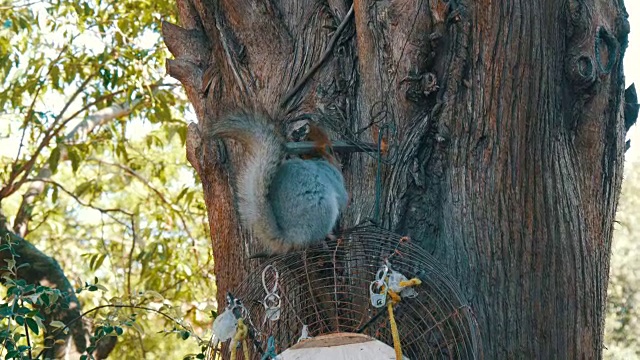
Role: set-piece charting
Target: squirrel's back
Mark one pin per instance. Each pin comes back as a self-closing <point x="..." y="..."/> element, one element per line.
<point x="307" y="197"/>
<point x="288" y="204"/>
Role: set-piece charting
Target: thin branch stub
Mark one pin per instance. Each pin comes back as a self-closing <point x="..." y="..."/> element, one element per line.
<point x="306" y="147"/>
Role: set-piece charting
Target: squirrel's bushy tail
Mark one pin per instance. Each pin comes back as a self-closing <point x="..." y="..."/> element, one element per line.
<point x="265" y="152"/>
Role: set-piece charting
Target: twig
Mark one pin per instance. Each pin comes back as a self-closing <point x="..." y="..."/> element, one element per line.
<point x="95" y="102"/>
<point x="35" y="98"/>
<point x="26" y="333"/>
<point x="78" y="91"/>
<point x="118" y="306"/>
<point x="76" y="198"/>
<point x="306" y="147"/>
<point x="106" y="251"/>
<point x="89" y="205"/>
<point x="146" y="183"/>
<point x="133" y="246"/>
<point x="110" y="96"/>
<point x="12" y="186"/>
<point x="321" y="61"/>
<point x="45" y="217"/>
<point x="15" y="6"/>
<point x="84" y="127"/>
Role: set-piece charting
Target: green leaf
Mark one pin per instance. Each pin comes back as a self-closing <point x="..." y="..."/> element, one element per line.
<point x="54" y="195"/>
<point x="54" y="159"/>
<point x="92" y="261"/>
<point x="137" y="327"/>
<point x="57" y="324"/>
<point x="74" y="157"/>
<point x="121" y="152"/>
<point x="96" y="261"/>
<point x="33" y="325"/>
<point x="44" y="298"/>
<point x="86" y="9"/>
<point x="82" y="188"/>
<point x="99" y="261"/>
<point x="99" y="331"/>
<point x="154" y="295"/>
<point x="55" y="76"/>
<point x="182" y="193"/>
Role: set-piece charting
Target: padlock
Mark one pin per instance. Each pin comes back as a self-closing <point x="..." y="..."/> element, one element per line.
<point x="377" y="299"/>
<point x="272" y="307"/>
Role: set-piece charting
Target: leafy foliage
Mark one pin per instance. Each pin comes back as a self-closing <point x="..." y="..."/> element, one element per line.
<point x="26" y="306"/>
<point x="622" y="331"/>
<point x="18" y="317"/>
<point x="92" y="167"/>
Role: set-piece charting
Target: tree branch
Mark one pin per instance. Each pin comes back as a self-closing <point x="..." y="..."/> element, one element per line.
<point x="106" y="211"/>
<point x="35" y="98"/>
<point x="323" y="58"/>
<point x="147" y="184"/>
<point x="124" y="306"/>
<point x="13" y="186"/>
<point x="82" y="129"/>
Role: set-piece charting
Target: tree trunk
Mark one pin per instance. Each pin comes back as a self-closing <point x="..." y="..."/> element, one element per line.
<point x="507" y="151"/>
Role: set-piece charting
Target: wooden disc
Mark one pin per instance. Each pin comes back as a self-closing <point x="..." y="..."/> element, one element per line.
<point x="340" y="346"/>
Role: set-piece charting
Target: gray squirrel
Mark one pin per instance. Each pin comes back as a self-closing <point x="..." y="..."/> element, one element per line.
<point x="289" y="204"/>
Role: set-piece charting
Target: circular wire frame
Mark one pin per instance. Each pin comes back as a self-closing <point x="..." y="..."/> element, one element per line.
<point x="327" y="289"/>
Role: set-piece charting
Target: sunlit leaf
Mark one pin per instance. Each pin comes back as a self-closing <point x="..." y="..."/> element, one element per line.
<point x="82" y="188"/>
<point x="57" y="324"/>
<point x="54" y="159"/>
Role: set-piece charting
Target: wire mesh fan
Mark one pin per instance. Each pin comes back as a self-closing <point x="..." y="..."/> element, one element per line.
<point x="328" y="291"/>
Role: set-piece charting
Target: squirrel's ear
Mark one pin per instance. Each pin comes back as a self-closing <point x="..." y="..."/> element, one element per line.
<point x="298" y="130"/>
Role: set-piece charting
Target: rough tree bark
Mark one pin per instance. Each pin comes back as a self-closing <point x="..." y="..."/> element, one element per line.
<point x="509" y="139"/>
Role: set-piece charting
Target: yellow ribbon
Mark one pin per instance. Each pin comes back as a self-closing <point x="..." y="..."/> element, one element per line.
<point x="240" y="337"/>
<point x="395" y="298"/>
